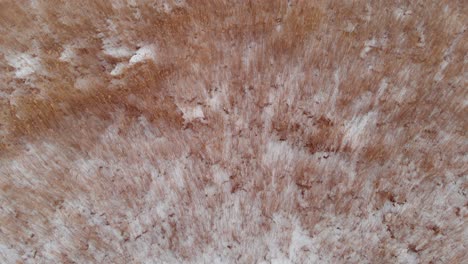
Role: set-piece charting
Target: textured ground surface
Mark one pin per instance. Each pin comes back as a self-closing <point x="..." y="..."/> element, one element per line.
<point x="241" y="132"/>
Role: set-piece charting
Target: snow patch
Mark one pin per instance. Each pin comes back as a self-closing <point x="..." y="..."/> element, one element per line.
<point x="192" y="113"/>
<point x="368" y="45"/>
<point x="67" y="54"/>
<point x="219" y="175"/>
<point x="299" y="240"/>
<point x="278" y="152"/>
<point x="113" y="49"/>
<point x="86" y="82"/>
<point x="144" y="53"/>
<point x="119" y="68"/>
<point x="24" y="63"/>
<point x="356" y="129"/>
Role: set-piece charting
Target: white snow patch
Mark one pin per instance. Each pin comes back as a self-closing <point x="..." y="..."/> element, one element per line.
<point x="439" y="75"/>
<point x="117" y="52"/>
<point x="368" y="45"/>
<point x="299" y="240"/>
<point x="113" y="49"/>
<point x="248" y="55"/>
<point x="24" y="63"/>
<point x="86" y="82"/>
<point x="356" y="129"/>
<point x="144" y="53"/>
<point x="192" y="113"/>
<point x="9" y="253"/>
<point x="219" y="175"/>
<point x="119" y="68"/>
<point x="67" y="54"/>
<point x="382" y="88"/>
<point x="177" y="175"/>
<point x="278" y="151"/>
<point x="350" y="27"/>
<point x="215" y="101"/>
